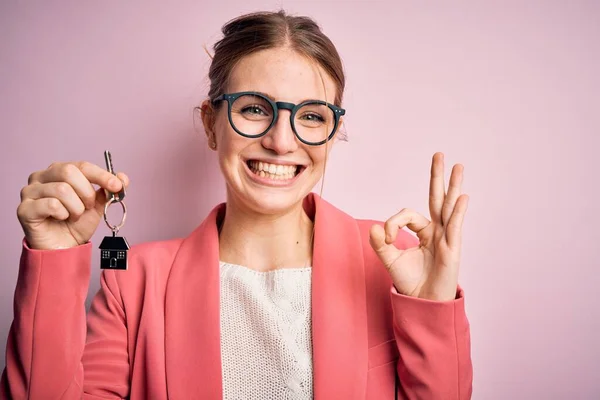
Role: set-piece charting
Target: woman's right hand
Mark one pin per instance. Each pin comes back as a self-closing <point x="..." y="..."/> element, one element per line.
<point x="59" y="206"/>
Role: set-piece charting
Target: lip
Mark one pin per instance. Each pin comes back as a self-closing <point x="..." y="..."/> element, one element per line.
<point x="272" y="182"/>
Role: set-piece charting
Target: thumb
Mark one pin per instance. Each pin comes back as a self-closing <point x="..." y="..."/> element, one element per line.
<point x="102" y="194"/>
<point x="387" y="253"/>
<point x="377" y="237"/>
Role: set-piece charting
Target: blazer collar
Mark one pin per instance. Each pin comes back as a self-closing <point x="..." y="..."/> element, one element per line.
<point x="339" y="317"/>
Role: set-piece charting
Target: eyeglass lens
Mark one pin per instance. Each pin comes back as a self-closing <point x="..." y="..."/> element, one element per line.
<point x="252" y="115"/>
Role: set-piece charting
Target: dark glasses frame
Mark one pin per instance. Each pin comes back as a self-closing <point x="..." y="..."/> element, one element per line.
<point x="282" y="105"/>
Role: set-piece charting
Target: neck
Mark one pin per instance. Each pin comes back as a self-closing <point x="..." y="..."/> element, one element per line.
<point x="265" y="242"/>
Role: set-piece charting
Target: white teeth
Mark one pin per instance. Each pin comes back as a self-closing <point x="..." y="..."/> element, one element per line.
<point x="274" y="170"/>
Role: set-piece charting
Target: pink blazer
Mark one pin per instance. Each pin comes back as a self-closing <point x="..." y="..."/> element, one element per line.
<point x="153" y="331"/>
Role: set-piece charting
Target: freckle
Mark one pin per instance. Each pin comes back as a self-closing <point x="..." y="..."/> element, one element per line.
<point x="297" y="242"/>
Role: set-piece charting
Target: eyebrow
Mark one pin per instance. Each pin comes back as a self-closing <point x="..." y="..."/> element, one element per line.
<point x="273" y="99"/>
<point x="264" y="94"/>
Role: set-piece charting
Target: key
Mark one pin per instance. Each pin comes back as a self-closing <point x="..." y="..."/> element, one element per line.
<point x="113" y="249"/>
<point x="108" y="158"/>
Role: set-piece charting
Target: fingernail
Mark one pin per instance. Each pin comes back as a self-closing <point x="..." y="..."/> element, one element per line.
<point x="113" y="182"/>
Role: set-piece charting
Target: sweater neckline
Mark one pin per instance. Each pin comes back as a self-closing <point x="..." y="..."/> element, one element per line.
<point x="277" y="270"/>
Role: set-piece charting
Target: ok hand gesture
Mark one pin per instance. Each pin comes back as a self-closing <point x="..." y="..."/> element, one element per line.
<point x="430" y="270"/>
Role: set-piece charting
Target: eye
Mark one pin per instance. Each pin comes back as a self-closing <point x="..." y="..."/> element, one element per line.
<point x="254" y="109"/>
<point x="312" y="117"/>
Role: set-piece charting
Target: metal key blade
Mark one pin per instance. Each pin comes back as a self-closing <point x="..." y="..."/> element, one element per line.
<point x="108" y="159"/>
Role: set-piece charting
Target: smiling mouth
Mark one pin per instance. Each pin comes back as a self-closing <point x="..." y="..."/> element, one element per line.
<point x="274" y="171"/>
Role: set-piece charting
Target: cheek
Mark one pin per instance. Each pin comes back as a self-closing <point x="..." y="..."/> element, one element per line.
<point x="227" y="138"/>
<point x="220" y="127"/>
<point x="319" y="155"/>
<point x="230" y="146"/>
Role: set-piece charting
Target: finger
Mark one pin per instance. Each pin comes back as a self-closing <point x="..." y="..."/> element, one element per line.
<point x="81" y="176"/>
<point x="406" y="217"/>
<point x="454" y="189"/>
<point x="437" y="191"/>
<point x="388" y="253"/>
<point x="123" y="183"/>
<point x="40" y="209"/>
<point x="59" y="190"/>
<point x="123" y="178"/>
<point x="100" y="176"/>
<point x="102" y="195"/>
<point x="455" y="224"/>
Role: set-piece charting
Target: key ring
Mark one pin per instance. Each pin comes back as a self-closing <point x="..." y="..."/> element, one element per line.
<point x="115" y="228"/>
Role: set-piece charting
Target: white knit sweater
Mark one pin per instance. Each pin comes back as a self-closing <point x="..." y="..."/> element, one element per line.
<point x="266" y="346"/>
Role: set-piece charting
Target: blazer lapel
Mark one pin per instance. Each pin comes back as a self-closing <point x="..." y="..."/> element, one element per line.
<point x="339" y="313"/>
<point x="192" y="323"/>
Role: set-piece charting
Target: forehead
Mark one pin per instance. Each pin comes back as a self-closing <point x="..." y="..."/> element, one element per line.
<point x="283" y="74"/>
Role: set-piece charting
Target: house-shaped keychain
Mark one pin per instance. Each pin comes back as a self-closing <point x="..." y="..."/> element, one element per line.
<point x="113" y="253"/>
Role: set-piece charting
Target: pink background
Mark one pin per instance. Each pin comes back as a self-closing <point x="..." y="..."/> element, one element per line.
<point x="509" y="89"/>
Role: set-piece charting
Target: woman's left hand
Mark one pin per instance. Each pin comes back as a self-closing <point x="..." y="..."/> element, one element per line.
<point x="430" y="270"/>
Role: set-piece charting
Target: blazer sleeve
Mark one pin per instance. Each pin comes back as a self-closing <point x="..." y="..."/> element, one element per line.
<point x="46" y="353"/>
<point x="433" y="339"/>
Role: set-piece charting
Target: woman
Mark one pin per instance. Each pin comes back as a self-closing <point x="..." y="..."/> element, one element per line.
<point x="277" y="294"/>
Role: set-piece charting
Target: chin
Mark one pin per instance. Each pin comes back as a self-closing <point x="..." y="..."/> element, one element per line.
<point x="271" y="201"/>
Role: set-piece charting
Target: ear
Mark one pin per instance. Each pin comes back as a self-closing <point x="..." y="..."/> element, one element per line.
<point x="208" y="114"/>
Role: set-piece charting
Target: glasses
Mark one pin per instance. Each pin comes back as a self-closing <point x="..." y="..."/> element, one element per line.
<point x="252" y="114"/>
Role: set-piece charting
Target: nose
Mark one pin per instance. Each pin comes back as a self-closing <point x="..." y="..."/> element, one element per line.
<point x="281" y="138"/>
